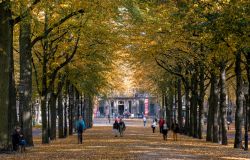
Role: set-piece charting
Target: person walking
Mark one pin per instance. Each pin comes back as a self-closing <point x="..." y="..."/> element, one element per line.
<point x="165" y="131"/>
<point x="153" y="126"/>
<point x="175" y="128"/>
<point x="109" y="118"/>
<point x="122" y="127"/>
<point x="144" y="121"/>
<point x="161" y="123"/>
<point x="116" y="128"/>
<point x="80" y="128"/>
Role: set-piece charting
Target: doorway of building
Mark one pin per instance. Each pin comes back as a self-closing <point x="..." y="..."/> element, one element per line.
<point x="120" y="109"/>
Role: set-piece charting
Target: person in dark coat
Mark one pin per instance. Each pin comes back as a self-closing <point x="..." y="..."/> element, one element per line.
<point x="175" y="128"/>
<point x="116" y="128"/>
<point x="16" y="138"/>
<point x="165" y="131"/>
<point x="161" y="122"/>
<point x="122" y="127"/>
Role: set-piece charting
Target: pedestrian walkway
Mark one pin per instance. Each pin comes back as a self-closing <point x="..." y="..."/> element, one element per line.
<point x="137" y="143"/>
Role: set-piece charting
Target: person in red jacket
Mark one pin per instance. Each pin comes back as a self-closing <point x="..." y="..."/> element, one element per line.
<point x="161" y="123"/>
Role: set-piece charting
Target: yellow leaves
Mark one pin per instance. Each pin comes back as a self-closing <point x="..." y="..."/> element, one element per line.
<point x="137" y="143"/>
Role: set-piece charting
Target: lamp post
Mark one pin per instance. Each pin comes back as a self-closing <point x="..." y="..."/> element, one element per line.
<point x="245" y="91"/>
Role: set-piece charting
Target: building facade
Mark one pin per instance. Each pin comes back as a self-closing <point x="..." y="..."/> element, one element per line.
<point x="133" y="107"/>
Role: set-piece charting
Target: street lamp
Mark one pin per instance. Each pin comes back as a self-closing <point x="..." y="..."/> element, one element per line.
<point x="245" y="91"/>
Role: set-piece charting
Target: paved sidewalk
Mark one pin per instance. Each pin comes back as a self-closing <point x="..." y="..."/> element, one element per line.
<point x="137" y="143"/>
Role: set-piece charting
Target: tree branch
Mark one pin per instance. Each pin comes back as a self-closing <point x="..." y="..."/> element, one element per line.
<point x="25" y="13"/>
<point x="36" y="76"/>
<point x="54" y="73"/>
<point x="81" y="11"/>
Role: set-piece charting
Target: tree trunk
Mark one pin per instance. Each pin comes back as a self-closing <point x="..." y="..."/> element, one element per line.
<point x="214" y="103"/>
<point x="91" y="106"/>
<point x="194" y="103"/>
<point x="26" y="79"/>
<point x="81" y="105"/>
<point x="201" y="101"/>
<point x="60" y="116"/>
<point x="6" y="42"/>
<point x="53" y="116"/>
<point x="168" y="110"/>
<point x="239" y="103"/>
<point x="44" y="107"/>
<point x="223" y="105"/>
<point x="65" y="129"/>
<point x="187" y="102"/>
<point x="71" y="106"/>
<point x="77" y="102"/>
<point x="210" y="118"/>
<point x="179" y="104"/>
<point x="45" y="137"/>
<point x="86" y="110"/>
<point x="247" y="55"/>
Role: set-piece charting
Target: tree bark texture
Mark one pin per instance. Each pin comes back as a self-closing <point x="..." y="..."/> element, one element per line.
<point x="194" y="103"/>
<point x="26" y="79"/>
<point x="71" y="107"/>
<point x="45" y="137"/>
<point x="179" y="103"/>
<point x="223" y="105"/>
<point x="201" y="101"/>
<point x="210" y="118"/>
<point x="214" y="98"/>
<point x="247" y="55"/>
<point x="53" y="116"/>
<point x="60" y="116"/>
<point x="187" y="102"/>
<point x="239" y="102"/>
<point x="5" y="56"/>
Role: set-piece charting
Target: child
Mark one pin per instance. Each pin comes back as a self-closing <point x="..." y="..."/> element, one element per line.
<point x="22" y="143"/>
<point x="165" y="131"/>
